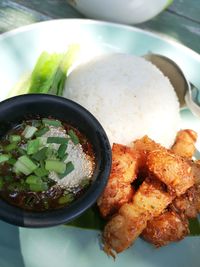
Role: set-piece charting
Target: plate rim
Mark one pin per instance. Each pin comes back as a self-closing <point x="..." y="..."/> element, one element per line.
<point x="130" y="28"/>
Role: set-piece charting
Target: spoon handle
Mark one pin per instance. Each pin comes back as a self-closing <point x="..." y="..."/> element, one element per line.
<point x="192" y="99"/>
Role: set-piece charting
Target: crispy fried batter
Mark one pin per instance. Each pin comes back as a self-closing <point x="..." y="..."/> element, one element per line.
<point x="171" y="169"/>
<point x="185" y="143"/>
<point x="144" y="146"/>
<point x="167" y="227"/>
<point x="119" y="190"/>
<point x="188" y="203"/>
<point x="122" y="230"/>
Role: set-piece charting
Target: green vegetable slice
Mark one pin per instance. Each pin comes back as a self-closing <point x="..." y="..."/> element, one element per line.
<point x="50" y="122"/>
<point x="29" y="131"/>
<point x="33" y="146"/>
<point x="10" y="147"/>
<point x="55" y="165"/>
<point x="41" y="172"/>
<point x="42" y="131"/>
<point x="62" y="149"/>
<point x="14" y="138"/>
<point x="69" y="168"/>
<point x="73" y="137"/>
<point x="66" y="199"/>
<point x="4" y="158"/>
<point x="24" y="165"/>
<point x="41" y="154"/>
<point x="57" y="140"/>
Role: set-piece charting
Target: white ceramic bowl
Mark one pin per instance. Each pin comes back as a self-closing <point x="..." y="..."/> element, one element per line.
<point x="121" y="11"/>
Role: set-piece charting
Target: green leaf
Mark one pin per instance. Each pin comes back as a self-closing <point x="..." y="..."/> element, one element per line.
<point x="194" y="226"/>
<point x="89" y="220"/>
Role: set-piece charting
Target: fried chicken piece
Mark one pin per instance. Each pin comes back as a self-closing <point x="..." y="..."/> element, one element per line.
<point x="167" y="227"/>
<point x="118" y="190"/>
<point x="185" y="143"/>
<point x="188" y="203"/>
<point x="122" y="230"/>
<point x="173" y="225"/>
<point x="171" y="169"/>
<point x="144" y="146"/>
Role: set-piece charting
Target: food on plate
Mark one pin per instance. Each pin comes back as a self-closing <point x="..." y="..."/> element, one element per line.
<point x="122" y="230"/>
<point x="168" y="227"/>
<point x="135" y="94"/>
<point x="171" y="169"/>
<point x="168" y="181"/>
<point x="124" y="171"/>
<point x="44" y="164"/>
<point x="49" y="73"/>
<point x="173" y="224"/>
<point x="185" y="143"/>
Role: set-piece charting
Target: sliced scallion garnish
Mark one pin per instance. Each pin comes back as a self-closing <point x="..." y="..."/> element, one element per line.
<point x="4" y="158"/>
<point x="42" y="132"/>
<point x="41" y="154"/>
<point x="10" y="147"/>
<point x="14" y="138"/>
<point x="38" y="187"/>
<point x="62" y="149"/>
<point x="69" y="168"/>
<point x="66" y="199"/>
<point x="55" y="165"/>
<point x="57" y="140"/>
<point x="50" y="122"/>
<point x="41" y="172"/>
<point x="29" y="131"/>
<point x="73" y="137"/>
<point x="33" y="146"/>
<point x="24" y="165"/>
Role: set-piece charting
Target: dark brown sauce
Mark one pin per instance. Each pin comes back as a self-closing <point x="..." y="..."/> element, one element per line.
<point x="16" y="192"/>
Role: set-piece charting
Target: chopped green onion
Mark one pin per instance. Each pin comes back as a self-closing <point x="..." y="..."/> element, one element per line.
<point x="14" y="138"/>
<point x="64" y="157"/>
<point x="33" y="179"/>
<point x="4" y="158"/>
<point x="55" y="165"/>
<point x="54" y="123"/>
<point x="42" y="140"/>
<point x="33" y="146"/>
<point x="41" y="154"/>
<point x="38" y="187"/>
<point x="24" y="165"/>
<point x="36" y="123"/>
<point x="1" y="183"/>
<point x="66" y="199"/>
<point x="61" y="150"/>
<point x="73" y="137"/>
<point x="29" y="131"/>
<point x="36" y="184"/>
<point x="57" y="140"/>
<point x="69" y="168"/>
<point x="21" y="151"/>
<point x="41" y="172"/>
<point x="52" y="153"/>
<point x="12" y="161"/>
<point x="42" y="131"/>
<point x="10" y="147"/>
<point x="85" y="182"/>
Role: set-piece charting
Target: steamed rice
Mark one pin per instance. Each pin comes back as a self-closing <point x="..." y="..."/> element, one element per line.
<point x="128" y="95"/>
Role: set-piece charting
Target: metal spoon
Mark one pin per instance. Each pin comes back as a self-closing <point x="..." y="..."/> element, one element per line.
<point x="186" y="92"/>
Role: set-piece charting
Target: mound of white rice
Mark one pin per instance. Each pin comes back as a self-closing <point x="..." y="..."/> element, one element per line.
<point x="128" y="95"/>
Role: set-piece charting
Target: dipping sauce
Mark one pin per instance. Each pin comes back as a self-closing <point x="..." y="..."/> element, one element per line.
<point x="44" y="164"/>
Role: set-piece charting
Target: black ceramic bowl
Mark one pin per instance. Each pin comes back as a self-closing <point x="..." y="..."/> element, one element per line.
<point x="15" y="110"/>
